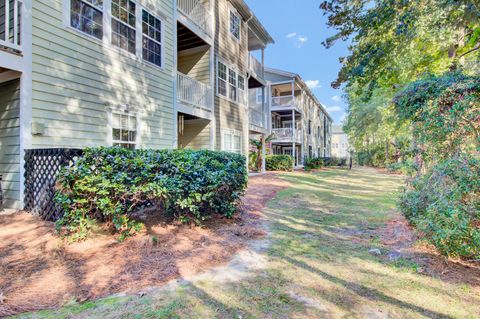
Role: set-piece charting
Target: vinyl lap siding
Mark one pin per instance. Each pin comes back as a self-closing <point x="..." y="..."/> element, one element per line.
<point x="196" y="65"/>
<point x="10" y="142"/>
<point x="76" y="80"/>
<point x="196" y="135"/>
<point x="230" y="115"/>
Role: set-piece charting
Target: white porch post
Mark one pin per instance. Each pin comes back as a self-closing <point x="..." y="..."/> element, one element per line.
<point x="264" y="154"/>
<point x="294" y="144"/>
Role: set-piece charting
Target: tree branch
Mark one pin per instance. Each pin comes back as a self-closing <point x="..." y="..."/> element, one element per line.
<point x="469" y="51"/>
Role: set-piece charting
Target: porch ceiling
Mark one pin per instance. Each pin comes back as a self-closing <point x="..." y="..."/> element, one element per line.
<point x="187" y="39"/>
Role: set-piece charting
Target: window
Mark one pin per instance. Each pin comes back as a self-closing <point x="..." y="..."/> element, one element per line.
<point x="309" y="127"/>
<point x="87" y="16"/>
<point x="232" y="80"/>
<point x="124" y="130"/>
<point x="259" y="96"/>
<point x="230" y="84"/>
<point x="222" y="79"/>
<point x="232" y="142"/>
<point x="123" y="25"/>
<point x="235" y="24"/>
<point x="242" y="98"/>
<point x="152" y="38"/>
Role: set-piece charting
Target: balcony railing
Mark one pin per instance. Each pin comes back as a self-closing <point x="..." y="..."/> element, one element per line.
<point x="257" y="118"/>
<point x="198" y="13"/>
<point x="256" y="67"/>
<point x="287" y="134"/>
<point x="283" y="101"/>
<point x="194" y="93"/>
<point x="10" y="24"/>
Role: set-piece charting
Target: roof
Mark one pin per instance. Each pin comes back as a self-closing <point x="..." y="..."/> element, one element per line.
<point x="254" y="24"/>
<point x="299" y="79"/>
<point x="337" y="129"/>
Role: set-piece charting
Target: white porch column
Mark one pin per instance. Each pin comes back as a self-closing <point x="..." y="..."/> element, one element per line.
<point x="294" y="144"/>
<point x="264" y="154"/>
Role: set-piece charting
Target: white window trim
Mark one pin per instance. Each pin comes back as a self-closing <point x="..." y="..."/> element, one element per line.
<point x="122" y="110"/>
<point x="217" y="77"/>
<point x="234" y="11"/>
<point x="234" y="133"/>
<point x="107" y="31"/>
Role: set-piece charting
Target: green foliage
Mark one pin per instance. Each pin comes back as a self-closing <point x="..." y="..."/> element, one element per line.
<point x="255" y="157"/>
<point x="445" y="112"/>
<point x="313" y="163"/>
<point x="408" y="167"/>
<point x="107" y="184"/>
<point x="444" y="204"/>
<point x="279" y="163"/>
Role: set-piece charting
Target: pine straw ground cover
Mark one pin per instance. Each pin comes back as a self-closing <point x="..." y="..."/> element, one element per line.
<point x="39" y="271"/>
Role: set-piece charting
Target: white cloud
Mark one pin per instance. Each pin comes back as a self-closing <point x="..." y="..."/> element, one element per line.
<point x="313" y="84"/>
<point x="298" y="39"/>
<point x="334" y="109"/>
<point x="336" y="98"/>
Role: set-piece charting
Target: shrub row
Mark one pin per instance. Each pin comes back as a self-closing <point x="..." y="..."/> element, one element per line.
<point x="444" y="204"/>
<point x="279" y="163"/>
<point x="108" y="184"/>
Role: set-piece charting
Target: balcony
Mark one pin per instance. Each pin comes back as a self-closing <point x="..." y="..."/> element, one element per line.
<point x="10" y="24"/>
<point x="257" y="121"/>
<point x="197" y="13"/>
<point x="287" y="135"/>
<point x="287" y="102"/>
<point x="256" y="68"/>
<point x="194" y="94"/>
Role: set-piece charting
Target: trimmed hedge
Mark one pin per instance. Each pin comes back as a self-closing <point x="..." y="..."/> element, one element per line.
<point x="279" y="163"/>
<point x="108" y="184"/>
<point x="313" y="163"/>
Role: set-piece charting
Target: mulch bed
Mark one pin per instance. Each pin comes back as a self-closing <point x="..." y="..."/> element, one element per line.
<point x="40" y="271"/>
<point x="401" y="239"/>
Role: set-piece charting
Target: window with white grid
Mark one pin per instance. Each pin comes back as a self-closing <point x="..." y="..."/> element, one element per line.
<point x="152" y="38"/>
<point x="87" y="17"/>
<point x="123" y="25"/>
<point x="124" y="130"/>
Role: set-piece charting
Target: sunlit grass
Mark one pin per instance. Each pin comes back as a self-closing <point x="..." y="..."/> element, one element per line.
<point x="315" y="269"/>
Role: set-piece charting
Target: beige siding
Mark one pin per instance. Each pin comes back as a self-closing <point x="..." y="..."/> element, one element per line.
<point x="76" y="79"/>
<point x="10" y="143"/>
<point x="195" y="64"/>
<point x="230" y="115"/>
<point x="196" y="135"/>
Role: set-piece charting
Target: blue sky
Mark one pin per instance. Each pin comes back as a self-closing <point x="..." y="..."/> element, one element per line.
<point x="299" y="27"/>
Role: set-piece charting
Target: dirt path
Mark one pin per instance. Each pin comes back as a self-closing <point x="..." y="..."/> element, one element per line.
<point x="39" y="271"/>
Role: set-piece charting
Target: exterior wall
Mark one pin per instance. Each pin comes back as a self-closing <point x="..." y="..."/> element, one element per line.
<point x="195" y="64"/>
<point x="229" y="115"/>
<point x="196" y="135"/>
<point x="10" y="143"/>
<point x="77" y="78"/>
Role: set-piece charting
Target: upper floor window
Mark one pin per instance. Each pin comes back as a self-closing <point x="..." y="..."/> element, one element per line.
<point x="235" y="24"/>
<point x="125" y="33"/>
<point x="87" y="16"/>
<point x="123" y="25"/>
<point x="230" y="83"/>
<point x="152" y="38"/>
<point x="259" y="95"/>
<point x="124" y="130"/>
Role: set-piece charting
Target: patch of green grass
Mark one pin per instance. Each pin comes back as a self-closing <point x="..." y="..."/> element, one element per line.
<point x="319" y="265"/>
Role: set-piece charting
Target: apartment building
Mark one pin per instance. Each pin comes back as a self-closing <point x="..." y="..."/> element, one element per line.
<point x="130" y="73"/>
<point x="301" y="125"/>
<point x="340" y="146"/>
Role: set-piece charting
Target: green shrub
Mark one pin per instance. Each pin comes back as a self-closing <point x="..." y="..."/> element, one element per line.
<point x="444" y="204"/>
<point x="279" y="163"/>
<point x="407" y="167"/>
<point x="108" y="184"/>
<point x="313" y="163"/>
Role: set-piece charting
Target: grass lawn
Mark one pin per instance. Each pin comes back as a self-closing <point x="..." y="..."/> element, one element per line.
<point x="317" y="265"/>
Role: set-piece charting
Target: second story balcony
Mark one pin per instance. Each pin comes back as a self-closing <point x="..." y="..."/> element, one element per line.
<point x="287" y="135"/>
<point x="198" y="13"/>
<point x="194" y="94"/>
<point x="10" y="16"/>
<point x="257" y="121"/>
<point x="287" y="102"/>
<point x="256" y="69"/>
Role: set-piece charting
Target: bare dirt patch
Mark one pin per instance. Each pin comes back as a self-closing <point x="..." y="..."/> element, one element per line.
<point x="39" y="271"/>
<point x="402" y="241"/>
